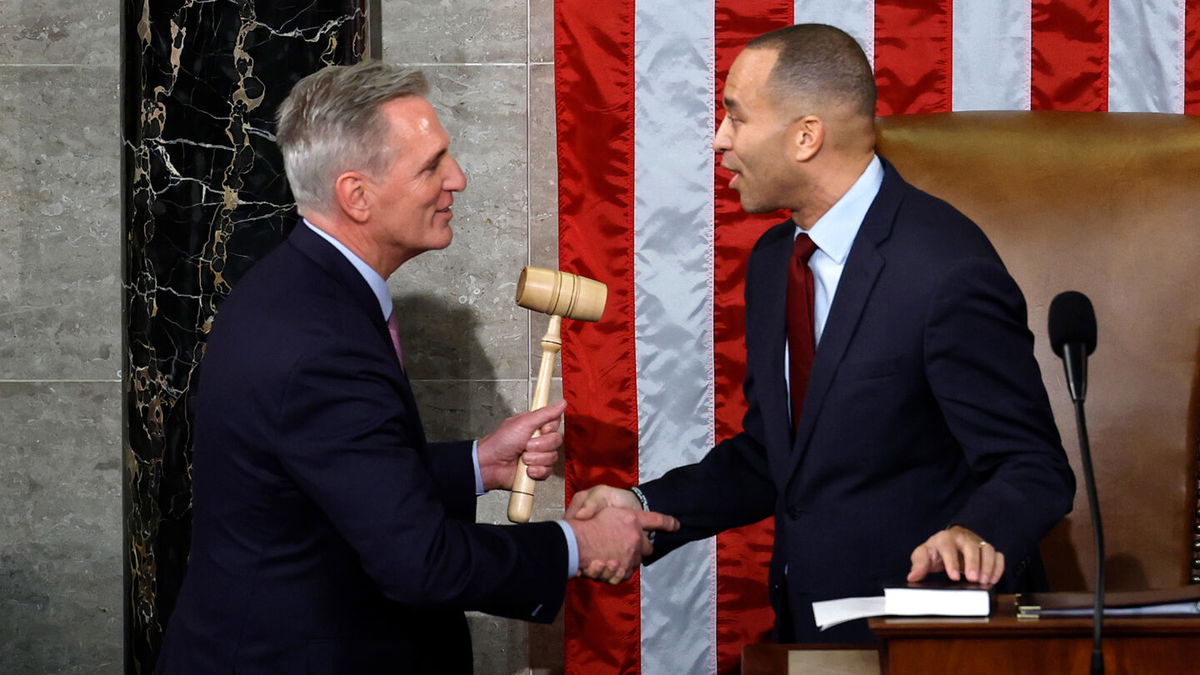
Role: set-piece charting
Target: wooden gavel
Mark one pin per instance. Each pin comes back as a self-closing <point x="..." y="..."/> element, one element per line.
<point x="558" y="294"/>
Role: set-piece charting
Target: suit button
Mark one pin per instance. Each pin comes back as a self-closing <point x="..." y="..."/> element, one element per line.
<point x="794" y="512"/>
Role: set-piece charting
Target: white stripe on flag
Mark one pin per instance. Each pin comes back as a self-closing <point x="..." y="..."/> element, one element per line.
<point x="673" y="224"/>
<point x="856" y="17"/>
<point x="992" y="55"/>
<point x="1145" y="55"/>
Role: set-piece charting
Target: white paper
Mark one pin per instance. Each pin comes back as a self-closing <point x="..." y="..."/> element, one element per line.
<point x="832" y="612"/>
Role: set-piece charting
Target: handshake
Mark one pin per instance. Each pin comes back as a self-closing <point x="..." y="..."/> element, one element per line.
<point x="613" y="532"/>
<point x="611" y="528"/>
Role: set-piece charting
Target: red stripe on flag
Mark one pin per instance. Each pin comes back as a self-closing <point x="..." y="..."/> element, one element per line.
<point x="594" y="85"/>
<point x="1191" y="55"/>
<point x="743" y="555"/>
<point x="1070" y="55"/>
<point x="913" y="56"/>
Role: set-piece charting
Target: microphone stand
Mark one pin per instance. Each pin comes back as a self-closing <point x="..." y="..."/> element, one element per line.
<point x="1089" y="480"/>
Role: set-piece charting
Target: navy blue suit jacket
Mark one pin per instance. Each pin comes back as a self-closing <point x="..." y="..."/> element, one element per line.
<point x="925" y="408"/>
<point x="328" y="535"/>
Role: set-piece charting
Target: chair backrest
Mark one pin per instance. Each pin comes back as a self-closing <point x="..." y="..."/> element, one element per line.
<point x="1107" y="204"/>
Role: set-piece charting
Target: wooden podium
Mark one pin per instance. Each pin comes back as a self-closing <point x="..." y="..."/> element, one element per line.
<point x="1004" y="644"/>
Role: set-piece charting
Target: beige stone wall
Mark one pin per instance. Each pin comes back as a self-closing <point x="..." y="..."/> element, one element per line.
<point x="60" y="337"/>
<point x="490" y="63"/>
<point x="472" y="352"/>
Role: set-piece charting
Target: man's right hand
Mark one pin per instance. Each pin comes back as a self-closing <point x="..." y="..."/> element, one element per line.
<point x="612" y="541"/>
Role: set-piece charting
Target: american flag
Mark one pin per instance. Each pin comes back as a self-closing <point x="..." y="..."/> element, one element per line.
<point x="644" y="209"/>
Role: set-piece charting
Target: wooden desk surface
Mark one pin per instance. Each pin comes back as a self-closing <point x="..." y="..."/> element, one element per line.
<point x="998" y="644"/>
<point x="1003" y="644"/>
<point x="771" y="659"/>
<point x="1004" y="623"/>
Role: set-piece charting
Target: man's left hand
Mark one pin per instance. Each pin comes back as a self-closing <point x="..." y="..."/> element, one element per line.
<point x="960" y="553"/>
<point x="499" y="450"/>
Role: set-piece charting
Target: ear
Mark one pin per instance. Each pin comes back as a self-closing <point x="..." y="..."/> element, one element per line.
<point x="808" y="135"/>
<point x="353" y="195"/>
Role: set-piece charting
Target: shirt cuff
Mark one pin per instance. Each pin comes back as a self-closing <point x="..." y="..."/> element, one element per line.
<point x="637" y="492"/>
<point x="478" y="474"/>
<point x="572" y="548"/>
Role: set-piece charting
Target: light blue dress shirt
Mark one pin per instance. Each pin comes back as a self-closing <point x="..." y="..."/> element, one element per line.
<point x="834" y="234"/>
<point x="380" y="288"/>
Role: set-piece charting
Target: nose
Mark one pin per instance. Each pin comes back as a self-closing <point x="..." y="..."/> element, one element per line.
<point x="721" y="140"/>
<point x="455" y="180"/>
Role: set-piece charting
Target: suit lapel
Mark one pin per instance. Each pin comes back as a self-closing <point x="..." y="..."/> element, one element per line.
<point x="766" y="336"/>
<point x="863" y="265"/>
<point x="335" y="264"/>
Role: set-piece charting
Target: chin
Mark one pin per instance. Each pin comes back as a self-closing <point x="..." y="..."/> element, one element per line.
<point x="444" y="240"/>
<point x="753" y="207"/>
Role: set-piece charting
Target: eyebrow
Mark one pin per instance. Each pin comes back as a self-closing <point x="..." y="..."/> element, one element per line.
<point x="433" y="161"/>
<point x="730" y="103"/>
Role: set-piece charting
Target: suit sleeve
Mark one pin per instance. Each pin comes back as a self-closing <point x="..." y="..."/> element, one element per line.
<point x="348" y="447"/>
<point x="980" y="365"/>
<point x="453" y="472"/>
<point x="729" y="488"/>
<point x="732" y="485"/>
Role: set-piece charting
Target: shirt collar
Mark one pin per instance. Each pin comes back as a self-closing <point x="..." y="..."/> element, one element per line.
<point x="834" y="231"/>
<point x="377" y="283"/>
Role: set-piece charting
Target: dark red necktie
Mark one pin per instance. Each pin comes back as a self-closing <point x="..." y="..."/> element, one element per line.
<point x="801" y="335"/>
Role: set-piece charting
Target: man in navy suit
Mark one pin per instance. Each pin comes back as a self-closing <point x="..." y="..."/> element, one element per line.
<point x="920" y="438"/>
<point x="328" y="535"/>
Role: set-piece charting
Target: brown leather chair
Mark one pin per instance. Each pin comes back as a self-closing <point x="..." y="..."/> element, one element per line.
<point x="1107" y="204"/>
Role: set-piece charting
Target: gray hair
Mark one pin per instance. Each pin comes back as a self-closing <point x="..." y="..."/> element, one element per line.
<point x="330" y="124"/>
<point x="820" y="62"/>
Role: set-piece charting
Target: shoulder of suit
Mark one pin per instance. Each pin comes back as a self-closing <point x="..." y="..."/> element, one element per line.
<point x="937" y="225"/>
<point x="781" y="231"/>
<point x="287" y="291"/>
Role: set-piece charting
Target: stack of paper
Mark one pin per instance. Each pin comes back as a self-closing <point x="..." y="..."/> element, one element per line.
<point x="915" y="599"/>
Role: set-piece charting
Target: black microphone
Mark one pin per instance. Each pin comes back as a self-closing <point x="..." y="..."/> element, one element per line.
<point x="1073" y="338"/>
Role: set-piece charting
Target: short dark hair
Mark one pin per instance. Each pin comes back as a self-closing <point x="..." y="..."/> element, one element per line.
<point x="820" y="61"/>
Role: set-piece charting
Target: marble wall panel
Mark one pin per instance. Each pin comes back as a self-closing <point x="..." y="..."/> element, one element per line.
<point x="463" y="31"/>
<point x="60" y="495"/>
<point x="476" y="352"/>
<point x="465" y="323"/>
<point x="456" y="409"/>
<point x="59" y="223"/>
<point x="543" y="193"/>
<point x="49" y="32"/>
<point x="543" y="168"/>
<point x="206" y="199"/>
<point x="541" y="31"/>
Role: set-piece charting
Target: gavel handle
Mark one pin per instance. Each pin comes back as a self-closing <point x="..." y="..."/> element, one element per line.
<point x="520" y="502"/>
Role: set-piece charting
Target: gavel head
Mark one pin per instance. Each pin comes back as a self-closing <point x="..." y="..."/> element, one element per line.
<point x="561" y="294"/>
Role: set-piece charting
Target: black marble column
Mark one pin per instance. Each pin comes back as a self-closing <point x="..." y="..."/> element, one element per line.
<point x="204" y="197"/>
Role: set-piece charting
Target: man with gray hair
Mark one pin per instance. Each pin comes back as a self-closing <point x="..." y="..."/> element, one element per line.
<point x="328" y="535"/>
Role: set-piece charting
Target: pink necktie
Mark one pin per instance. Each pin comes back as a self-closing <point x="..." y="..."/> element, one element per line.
<point x="394" y="330"/>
